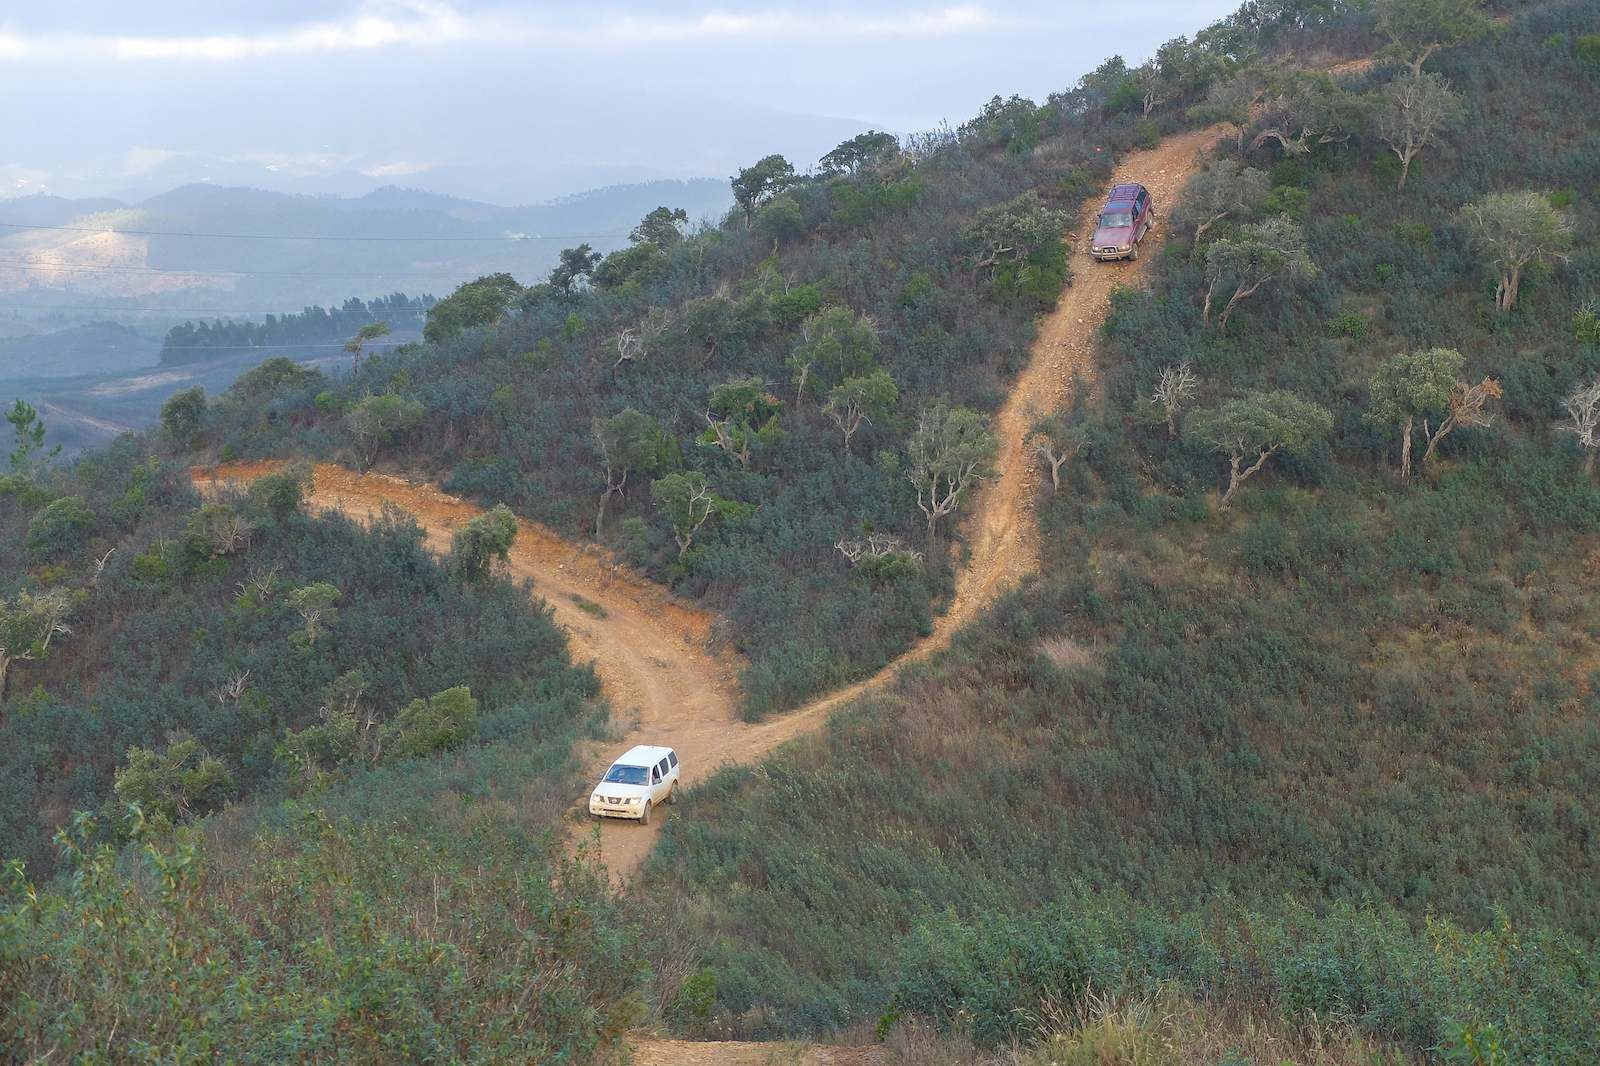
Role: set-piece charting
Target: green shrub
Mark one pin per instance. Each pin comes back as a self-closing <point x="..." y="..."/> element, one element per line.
<point x="1417" y="234"/>
<point x="60" y="529"/>
<point x="1587" y="50"/>
<point x="482" y="543"/>
<point x="1586" y="324"/>
<point x="796" y="304"/>
<point x="282" y="493"/>
<point x="992" y="973"/>
<point x="428" y="727"/>
<point x="1350" y="323"/>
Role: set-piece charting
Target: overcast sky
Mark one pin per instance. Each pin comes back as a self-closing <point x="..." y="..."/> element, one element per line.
<point x="509" y="101"/>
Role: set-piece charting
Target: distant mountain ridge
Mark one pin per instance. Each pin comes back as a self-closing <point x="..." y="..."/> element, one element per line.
<point x="388" y="239"/>
<point x="707" y="194"/>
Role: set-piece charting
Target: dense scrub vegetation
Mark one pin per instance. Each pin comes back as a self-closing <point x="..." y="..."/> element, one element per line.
<point x="771" y="373"/>
<point x="417" y="912"/>
<point x="383" y="743"/>
<point x="192" y="652"/>
<point x="1278" y="723"/>
<point x="1294" y="720"/>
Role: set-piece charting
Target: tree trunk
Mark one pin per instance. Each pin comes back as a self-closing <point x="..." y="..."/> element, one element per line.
<point x="1509" y="284"/>
<point x="1405" y="167"/>
<point x="1238" y="294"/>
<point x="1435" y="437"/>
<point x="1233" y="480"/>
<point x="1242" y="292"/>
<point x="1422" y="57"/>
<point x="1237" y="477"/>
<point x="1205" y="310"/>
<point x="1405" y="448"/>
<point x="1172" y="421"/>
<point x="1588" y="469"/>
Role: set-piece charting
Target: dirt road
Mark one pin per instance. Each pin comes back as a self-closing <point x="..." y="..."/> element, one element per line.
<point x="749" y="1053"/>
<point x="652" y="652"/>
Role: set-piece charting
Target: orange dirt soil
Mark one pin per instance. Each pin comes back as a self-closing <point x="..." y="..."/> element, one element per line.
<point x="666" y="682"/>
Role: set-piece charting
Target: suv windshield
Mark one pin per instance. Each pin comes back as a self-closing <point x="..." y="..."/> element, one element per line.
<point x="1116" y="219"/>
<point x="627" y="775"/>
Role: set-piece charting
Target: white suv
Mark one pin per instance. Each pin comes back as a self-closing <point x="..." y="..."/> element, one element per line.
<point x="643" y="777"/>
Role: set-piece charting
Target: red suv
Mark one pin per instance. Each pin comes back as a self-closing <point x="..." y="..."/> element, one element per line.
<point x="1128" y="215"/>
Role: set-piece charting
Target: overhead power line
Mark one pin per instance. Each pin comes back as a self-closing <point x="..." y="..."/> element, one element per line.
<point x="313" y="237"/>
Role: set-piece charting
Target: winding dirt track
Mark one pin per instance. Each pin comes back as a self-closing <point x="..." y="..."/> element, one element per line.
<point x="653" y="653"/>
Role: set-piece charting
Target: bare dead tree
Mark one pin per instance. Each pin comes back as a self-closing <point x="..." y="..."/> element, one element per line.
<point x="231" y="533"/>
<point x="1055" y="450"/>
<point x="232" y="690"/>
<point x="27" y="626"/>
<point x="1583" y="420"/>
<point x="1153" y="88"/>
<point x="730" y="439"/>
<point x="1174" y="387"/>
<point x="874" y="546"/>
<point x="1468" y="408"/>
<point x="1412" y="111"/>
<point x="261" y="582"/>
<point x="630" y="346"/>
<point x="99" y="568"/>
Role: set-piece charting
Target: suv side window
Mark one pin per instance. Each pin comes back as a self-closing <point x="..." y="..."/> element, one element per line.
<point x="662" y="768"/>
<point x="655" y="775"/>
<point x="672" y="757"/>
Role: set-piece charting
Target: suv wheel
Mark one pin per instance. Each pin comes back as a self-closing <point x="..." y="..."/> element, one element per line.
<point x="1134" y="254"/>
<point x="644" y="815"/>
<point x="672" y="793"/>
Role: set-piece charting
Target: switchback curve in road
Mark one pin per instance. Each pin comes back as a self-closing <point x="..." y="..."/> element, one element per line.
<point x="653" y="653"/>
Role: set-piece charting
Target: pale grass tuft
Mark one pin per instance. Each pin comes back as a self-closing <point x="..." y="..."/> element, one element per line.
<point x="1068" y="654"/>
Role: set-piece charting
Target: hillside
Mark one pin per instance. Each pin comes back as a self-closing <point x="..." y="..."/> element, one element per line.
<point x="97" y="348"/>
<point x="1331" y="748"/>
<point x="1204" y="644"/>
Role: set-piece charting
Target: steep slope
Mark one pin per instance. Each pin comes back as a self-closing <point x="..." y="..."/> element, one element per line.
<point x="654" y="654"/>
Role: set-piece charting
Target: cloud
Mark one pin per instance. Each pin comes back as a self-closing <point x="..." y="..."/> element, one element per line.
<point x="140" y="160"/>
<point x="18" y="179"/>
<point x="381" y="24"/>
<point x="396" y="170"/>
<point x="789" y="24"/>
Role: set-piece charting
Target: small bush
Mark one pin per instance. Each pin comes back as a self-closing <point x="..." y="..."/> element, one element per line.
<point x="60" y="528"/>
<point x="1586" y="323"/>
<point x="1349" y="323"/>
<point x="1587" y="50"/>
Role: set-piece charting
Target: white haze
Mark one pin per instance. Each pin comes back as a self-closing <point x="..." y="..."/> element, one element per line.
<point x="508" y="102"/>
